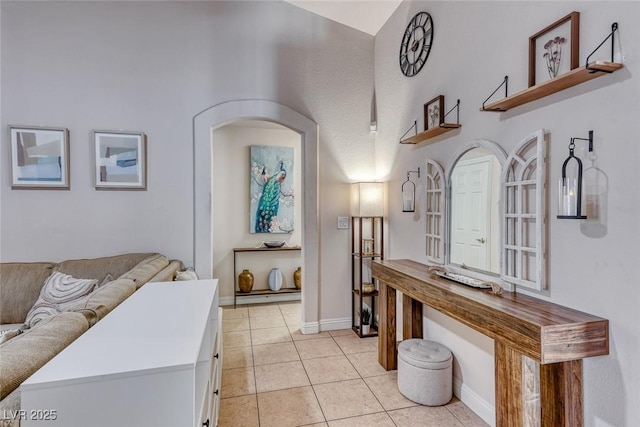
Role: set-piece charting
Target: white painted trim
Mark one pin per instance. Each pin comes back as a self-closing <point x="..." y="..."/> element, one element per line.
<point x="310" y="328"/>
<point x="475" y="402"/>
<point x="335" y="324"/>
<point x="259" y="299"/>
<point x="203" y="234"/>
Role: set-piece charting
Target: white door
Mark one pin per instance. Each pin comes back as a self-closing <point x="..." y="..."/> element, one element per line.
<point x="470" y="190"/>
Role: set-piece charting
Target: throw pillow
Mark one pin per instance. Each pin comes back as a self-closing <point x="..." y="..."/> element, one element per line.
<point x="59" y="293"/>
<point x="7" y="334"/>
<point x="188" y="274"/>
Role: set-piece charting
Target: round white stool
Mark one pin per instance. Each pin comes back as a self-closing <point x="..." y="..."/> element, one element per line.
<point x="425" y="373"/>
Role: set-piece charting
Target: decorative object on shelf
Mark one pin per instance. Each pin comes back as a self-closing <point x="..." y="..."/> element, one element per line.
<point x="120" y="160"/>
<point x="440" y="125"/>
<point x="274" y="244"/>
<point x="434" y="112"/>
<point x="367" y="199"/>
<point x="275" y="279"/>
<point x="548" y="57"/>
<point x="245" y="281"/>
<point x="297" y="278"/>
<point x="368" y="287"/>
<point x="570" y="187"/>
<point x="367" y="247"/>
<point x="271" y="189"/>
<point x="409" y="193"/>
<point x="416" y="44"/>
<point x="366" y="319"/>
<point x="39" y="158"/>
<point x="589" y="71"/>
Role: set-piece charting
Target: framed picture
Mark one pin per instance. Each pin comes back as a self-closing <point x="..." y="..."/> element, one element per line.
<point x="272" y="198"/>
<point x="120" y="160"/>
<point x="39" y="157"/>
<point x="554" y="50"/>
<point x="434" y="112"/>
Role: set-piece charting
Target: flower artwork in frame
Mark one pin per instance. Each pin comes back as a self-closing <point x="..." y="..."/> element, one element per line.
<point x="120" y="160"/>
<point x="39" y="157"/>
<point x="434" y="112"/>
<point x="554" y="50"/>
<point x="271" y="189"/>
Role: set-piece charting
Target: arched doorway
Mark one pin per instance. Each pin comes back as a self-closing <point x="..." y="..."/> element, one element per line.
<point x="227" y="112"/>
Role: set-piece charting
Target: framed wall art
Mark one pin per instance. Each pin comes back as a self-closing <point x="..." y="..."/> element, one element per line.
<point x="434" y="112"/>
<point x="39" y="157"/>
<point x="120" y="160"/>
<point x="554" y="50"/>
<point x="271" y="191"/>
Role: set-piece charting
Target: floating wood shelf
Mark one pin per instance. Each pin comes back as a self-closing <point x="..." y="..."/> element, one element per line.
<point x="567" y="80"/>
<point x="431" y="133"/>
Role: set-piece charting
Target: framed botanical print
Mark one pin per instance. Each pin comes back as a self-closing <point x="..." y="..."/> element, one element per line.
<point x="120" y="160"/>
<point x="434" y="112"/>
<point x="554" y="50"/>
<point x="39" y="157"/>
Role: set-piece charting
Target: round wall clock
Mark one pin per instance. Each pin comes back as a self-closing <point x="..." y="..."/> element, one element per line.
<point x="416" y="44"/>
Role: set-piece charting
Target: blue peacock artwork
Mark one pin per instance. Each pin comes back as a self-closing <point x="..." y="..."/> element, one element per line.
<point x="272" y="195"/>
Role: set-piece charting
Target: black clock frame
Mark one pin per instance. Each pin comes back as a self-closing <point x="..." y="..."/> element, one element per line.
<point x="411" y="67"/>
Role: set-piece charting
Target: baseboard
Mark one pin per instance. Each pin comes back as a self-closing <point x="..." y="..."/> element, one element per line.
<point x="335" y="324"/>
<point x="260" y="299"/>
<point x="475" y="402"/>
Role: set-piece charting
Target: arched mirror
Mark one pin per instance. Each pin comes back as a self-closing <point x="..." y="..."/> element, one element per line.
<point x="473" y="207"/>
<point x="493" y="210"/>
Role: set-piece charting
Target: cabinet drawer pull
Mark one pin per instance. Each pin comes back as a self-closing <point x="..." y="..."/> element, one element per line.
<point x="216" y="356"/>
<point x="216" y="392"/>
<point x="206" y="423"/>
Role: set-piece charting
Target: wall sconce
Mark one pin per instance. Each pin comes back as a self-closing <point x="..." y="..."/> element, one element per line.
<point x="409" y="193"/>
<point x="367" y="199"/>
<point x="570" y="187"/>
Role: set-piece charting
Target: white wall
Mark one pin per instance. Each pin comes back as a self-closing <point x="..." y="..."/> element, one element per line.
<point x="475" y="45"/>
<point x="231" y="179"/>
<point x="152" y="66"/>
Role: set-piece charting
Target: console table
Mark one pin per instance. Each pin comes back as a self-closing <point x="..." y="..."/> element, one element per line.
<point x="153" y="361"/>
<point x="539" y="346"/>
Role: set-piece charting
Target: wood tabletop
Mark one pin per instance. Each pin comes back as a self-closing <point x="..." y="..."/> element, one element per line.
<point x="544" y="331"/>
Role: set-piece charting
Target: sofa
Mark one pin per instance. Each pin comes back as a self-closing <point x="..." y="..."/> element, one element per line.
<point x="20" y="288"/>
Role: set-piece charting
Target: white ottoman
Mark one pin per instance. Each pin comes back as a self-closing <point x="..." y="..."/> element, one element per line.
<point x="424" y="372"/>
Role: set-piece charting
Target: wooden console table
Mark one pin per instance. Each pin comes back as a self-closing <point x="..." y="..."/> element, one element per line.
<point x="539" y="346"/>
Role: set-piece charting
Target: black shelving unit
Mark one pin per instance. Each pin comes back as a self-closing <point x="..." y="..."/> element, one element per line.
<point x="367" y="245"/>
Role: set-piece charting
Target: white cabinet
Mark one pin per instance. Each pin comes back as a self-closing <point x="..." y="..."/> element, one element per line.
<point x="153" y="361"/>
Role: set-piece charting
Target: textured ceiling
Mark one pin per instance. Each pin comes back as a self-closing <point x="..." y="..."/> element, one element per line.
<point x="364" y="15"/>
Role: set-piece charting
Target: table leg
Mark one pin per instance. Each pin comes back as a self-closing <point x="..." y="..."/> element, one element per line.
<point x="411" y="318"/>
<point x="561" y="394"/>
<point x="387" y="351"/>
<point x="531" y="394"/>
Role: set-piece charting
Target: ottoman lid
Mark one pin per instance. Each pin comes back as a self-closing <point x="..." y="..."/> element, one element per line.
<point x="425" y="354"/>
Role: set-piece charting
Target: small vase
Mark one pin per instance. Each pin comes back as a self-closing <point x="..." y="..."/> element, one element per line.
<point x="245" y="281"/>
<point x="366" y="329"/>
<point x="275" y="279"/>
<point x="297" y="278"/>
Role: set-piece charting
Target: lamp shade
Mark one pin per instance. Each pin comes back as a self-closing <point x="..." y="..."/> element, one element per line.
<point x="367" y="199"/>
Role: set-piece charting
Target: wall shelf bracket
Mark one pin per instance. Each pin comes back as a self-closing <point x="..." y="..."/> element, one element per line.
<point x="614" y="28"/>
<point x="504" y="83"/>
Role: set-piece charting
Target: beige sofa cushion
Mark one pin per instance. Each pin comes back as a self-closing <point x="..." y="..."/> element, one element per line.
<point x="106" y="298"/>
<point x="20" y="285"/>
<point x="98" y="268"/>
<point x="168" y="274"/>
<point x="146" y="269"/>
<point x="21" y="356"/>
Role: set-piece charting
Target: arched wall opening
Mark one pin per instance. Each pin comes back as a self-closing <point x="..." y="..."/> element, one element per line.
<point x="203" y="230"/>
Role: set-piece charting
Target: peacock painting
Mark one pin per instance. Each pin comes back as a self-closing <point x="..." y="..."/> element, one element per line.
<point x="272" y="196"/>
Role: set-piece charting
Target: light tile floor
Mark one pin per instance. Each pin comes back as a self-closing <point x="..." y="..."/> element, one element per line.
<point x="275" y="376"/>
